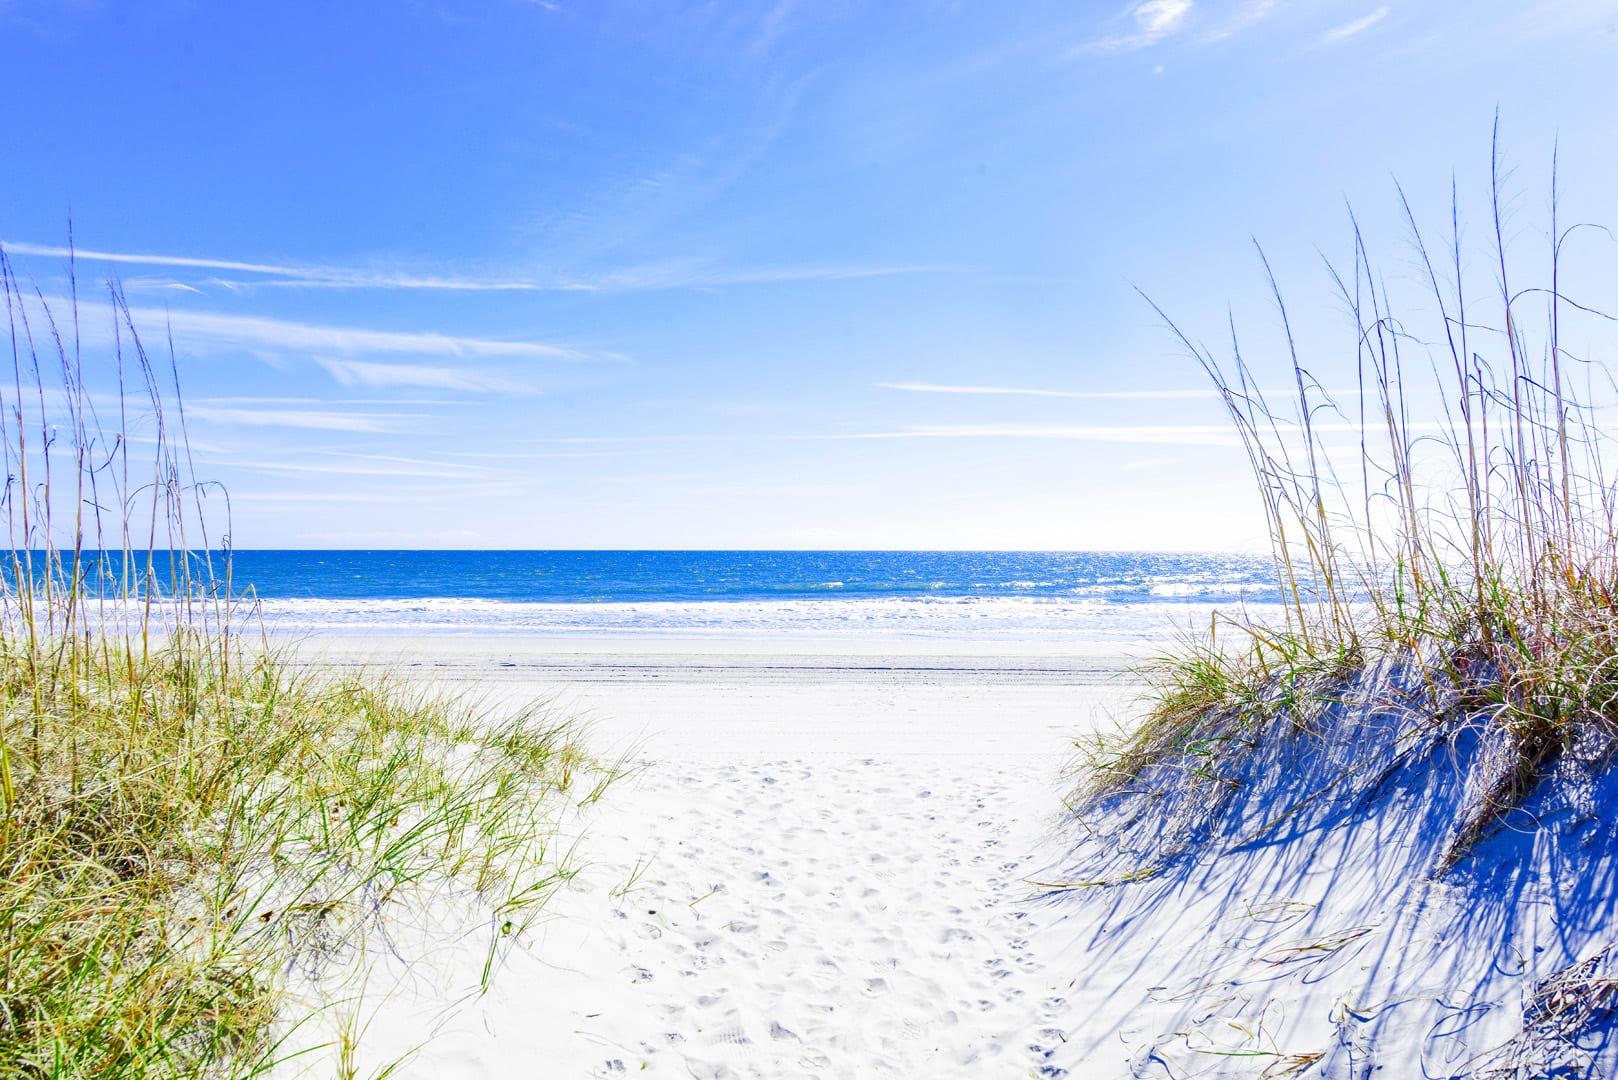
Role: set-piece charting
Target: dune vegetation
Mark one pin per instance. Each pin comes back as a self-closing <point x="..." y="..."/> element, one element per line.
<point x="1453" y="515"/>
<point x="1374" y="826"/>
<point x="188" y="816"/>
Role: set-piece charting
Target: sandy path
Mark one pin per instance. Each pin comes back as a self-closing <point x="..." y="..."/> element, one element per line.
<point x="818" y="871"/>
<point x="824" y="917"/>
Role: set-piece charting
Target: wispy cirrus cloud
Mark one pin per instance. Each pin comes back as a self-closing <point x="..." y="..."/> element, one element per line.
<point x="310" y="419"/>
<point x="283" y="467"/>
<point x="1247" y="14"/>
<point x="384" y="280"/>
<point x="1156" y="434"/>
<point x="262" y="332"/>
<point x="1153" y="21"/>
<point x="703" y="274"/>
<point x="400" y="460"/>
<point x="1179" y="434"/>
<point x="368" y="373"/>
<point x="648" y="277"/>
<point x="1017" y="391"/>
<point x="267" y="335"/>
<point x="1350" y="29"/>
<point x="19" y="247"/>
<point x="403" y="492"/>
<point x="349" y="463"/>
<point x="1281" y="392"/>
<point x="285" y="274"/>
<point x="368" y="402"/>
<point x="408" y="495"/>
<point x="667" y="274"/>
<point x="512" y="456"/>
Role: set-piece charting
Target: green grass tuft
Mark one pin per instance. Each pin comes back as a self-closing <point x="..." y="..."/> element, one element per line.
<point x="185" y="815"/>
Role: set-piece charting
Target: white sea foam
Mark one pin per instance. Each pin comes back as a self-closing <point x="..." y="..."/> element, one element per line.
<point x="1188" y="588"/>
<point x="1080" y="619"/>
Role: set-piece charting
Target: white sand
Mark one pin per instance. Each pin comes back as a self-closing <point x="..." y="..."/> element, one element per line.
<point x="823" y="870"/>
<point x="1302" y="922"/>
<point x="819" y="870"/>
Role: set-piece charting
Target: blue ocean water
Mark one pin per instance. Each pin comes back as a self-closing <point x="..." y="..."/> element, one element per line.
<point x="1065" y="596"/>
<point x="1095" y="596"/>
<point x="587" y="577"/>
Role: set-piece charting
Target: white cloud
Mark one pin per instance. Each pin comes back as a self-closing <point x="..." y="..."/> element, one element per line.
<point x="1160" y="17"/>
<point x="1348" y="30"/>
<point x="1158" y="434"/>
<point x="248" y="330"/>
<point x="934" y="388"/>
<point x="670" y="274"/>
<point x="342" y="470"/>
<point x="460" y="490"/>
<point x="1247" y="14"/>
<point x="313" y="419"/>
<point x="1154" y="21"/>
<point x="1180" y="434"/>
<point x="264" y="337"/>
<point x="400" y="460"/>
<point x="1277" y="393"/>
<point x="18" y="247"/>
<point x="370" y="374"/>
<point x="368" y="402"/>
<point x="509" y="456"/>
<point x="358" y="279"/>
<point x="406" y="496"/>
<point x="309" y="276"/>
<point x="697" y="273"/>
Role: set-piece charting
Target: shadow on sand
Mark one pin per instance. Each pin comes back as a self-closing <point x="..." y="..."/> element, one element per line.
<point x="1294" y="905"/>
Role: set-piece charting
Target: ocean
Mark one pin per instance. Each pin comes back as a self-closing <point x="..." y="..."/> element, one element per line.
<point x="1077" y="596"/>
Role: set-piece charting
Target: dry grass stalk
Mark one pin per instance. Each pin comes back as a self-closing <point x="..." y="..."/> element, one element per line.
<point x="1481" y="546"/>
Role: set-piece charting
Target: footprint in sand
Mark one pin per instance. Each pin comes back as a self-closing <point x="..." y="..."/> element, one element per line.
<point x="858" y="945"/>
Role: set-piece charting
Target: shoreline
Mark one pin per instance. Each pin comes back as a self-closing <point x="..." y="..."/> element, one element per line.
<point x="1101" y="621"/>
<point x="767" y="697"/>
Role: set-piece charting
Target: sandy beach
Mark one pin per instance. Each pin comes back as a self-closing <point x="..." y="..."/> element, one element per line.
<point x="819" y="867"/>
<point x="836" y="857"/>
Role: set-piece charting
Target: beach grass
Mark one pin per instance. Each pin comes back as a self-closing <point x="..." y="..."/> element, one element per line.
<point x="1453" y="511"/>
<point x="188" y="815"/>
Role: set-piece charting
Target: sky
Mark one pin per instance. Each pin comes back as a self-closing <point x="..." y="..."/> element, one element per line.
<point x="778" y="274"/>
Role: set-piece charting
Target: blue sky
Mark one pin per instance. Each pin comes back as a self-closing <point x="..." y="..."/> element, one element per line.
<point x="778" y="274"/>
